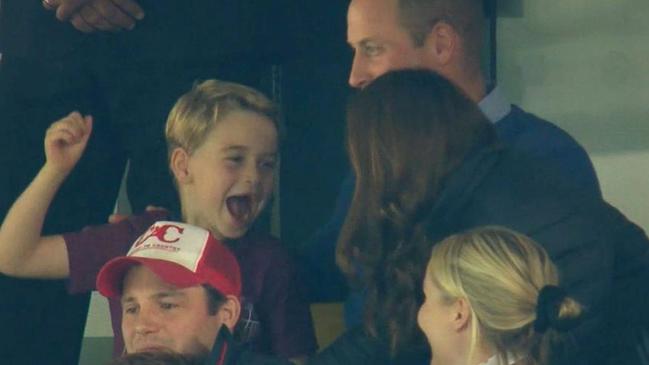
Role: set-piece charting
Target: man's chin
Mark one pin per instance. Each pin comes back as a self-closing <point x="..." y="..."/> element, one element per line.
<point x="154" y="348"/>
<point x="156" y="354"/>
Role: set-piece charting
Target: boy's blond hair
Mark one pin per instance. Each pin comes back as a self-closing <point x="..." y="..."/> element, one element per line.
<point x="500" y="273"/>
<point x="197" y="112"/>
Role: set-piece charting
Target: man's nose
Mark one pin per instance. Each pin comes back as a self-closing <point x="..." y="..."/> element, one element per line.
<point x="146" y="322"/>
<point x="358" y="75"/>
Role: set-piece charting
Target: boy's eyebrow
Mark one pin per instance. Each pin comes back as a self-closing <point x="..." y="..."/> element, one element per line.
<point x="234" y="147"/>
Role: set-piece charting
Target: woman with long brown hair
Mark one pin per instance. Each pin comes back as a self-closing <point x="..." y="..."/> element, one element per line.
<point x="401" y="150"/>
<point x="428" y="164"/>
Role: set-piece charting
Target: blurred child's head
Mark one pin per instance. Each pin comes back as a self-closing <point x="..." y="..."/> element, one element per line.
<point x="222" y="141"/>
<point x="492" y="291"/>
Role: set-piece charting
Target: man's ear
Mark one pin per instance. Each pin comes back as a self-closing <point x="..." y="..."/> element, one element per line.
<point x="179" y="165"/>
<point x="442" y="43"/>
<point x="461" y="315"/>
<point x="230" y="311"/>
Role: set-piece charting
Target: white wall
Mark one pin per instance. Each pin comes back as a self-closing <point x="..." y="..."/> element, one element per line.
<point x="583" y="64"/>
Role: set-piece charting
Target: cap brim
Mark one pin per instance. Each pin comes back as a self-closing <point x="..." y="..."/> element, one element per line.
<point x="111" y="276"/>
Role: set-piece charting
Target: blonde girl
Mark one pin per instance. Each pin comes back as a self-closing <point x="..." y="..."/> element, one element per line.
<point x="492" y="297"/>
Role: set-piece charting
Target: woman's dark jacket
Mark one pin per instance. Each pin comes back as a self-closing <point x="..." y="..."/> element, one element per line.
<point x="603" y="258"/>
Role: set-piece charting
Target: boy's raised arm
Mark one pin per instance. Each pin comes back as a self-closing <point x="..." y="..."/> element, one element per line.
<point x="23" y="251"/>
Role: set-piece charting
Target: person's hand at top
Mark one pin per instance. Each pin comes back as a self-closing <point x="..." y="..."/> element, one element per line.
<point x="97" y="15"/>
<point x="65" y="141"/>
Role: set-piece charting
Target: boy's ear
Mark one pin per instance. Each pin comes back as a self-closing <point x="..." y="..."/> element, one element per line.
<point x="179" y="165"/>
<point x="461" y="315"/>
<point x="230" y="311"/>
<point x="442" y="44"/>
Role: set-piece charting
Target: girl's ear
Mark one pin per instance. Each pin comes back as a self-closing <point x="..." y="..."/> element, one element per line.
<point x="461" y="315"/>
<point x="179" y="165"/>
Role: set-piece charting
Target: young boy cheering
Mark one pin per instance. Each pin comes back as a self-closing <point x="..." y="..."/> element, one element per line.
<point x="222" y="140"/>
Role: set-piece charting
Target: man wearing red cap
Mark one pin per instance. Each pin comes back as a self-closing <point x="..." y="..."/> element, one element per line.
<point x="179" y="287"/>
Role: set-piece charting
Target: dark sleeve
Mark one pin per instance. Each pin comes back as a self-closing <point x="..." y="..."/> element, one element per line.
<point x="287" y="312"/>
<point x="251" y="358"/>
<point x="90" y="248"/>
<point x="353" y="347"/>
<point x="629" y="323"/>
<point x="323" y="279"/>
<point x="603" y="261"/>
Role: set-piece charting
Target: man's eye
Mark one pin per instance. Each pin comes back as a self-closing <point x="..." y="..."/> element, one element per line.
<point x="130" y="310"/>
<point x="168" y="306"/>
<point x="372" y="50"/>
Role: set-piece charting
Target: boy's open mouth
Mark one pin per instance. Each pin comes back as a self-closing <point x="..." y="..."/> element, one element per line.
<point x="240" y="207"/>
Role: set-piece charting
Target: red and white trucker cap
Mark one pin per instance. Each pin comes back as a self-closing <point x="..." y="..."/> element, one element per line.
<point x="181" y="255"/>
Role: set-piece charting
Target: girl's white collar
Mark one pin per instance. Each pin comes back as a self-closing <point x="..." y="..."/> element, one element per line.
<point x="495" y="360"/>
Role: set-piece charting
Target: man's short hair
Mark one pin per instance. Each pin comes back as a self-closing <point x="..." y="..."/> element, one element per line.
<point x="196" y="112"/>
<point x="419" y="17"/>
<point x="214" y="299"/>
